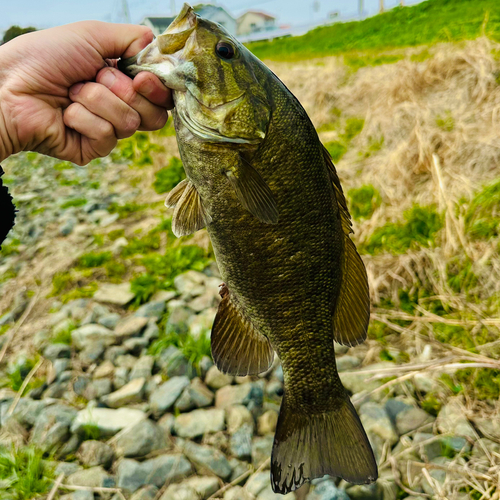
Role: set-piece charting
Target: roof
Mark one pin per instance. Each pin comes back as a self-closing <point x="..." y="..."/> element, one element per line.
<point x="257" y="12"/>
<point x="205" y="10"/>
<point x="159" y="22"/>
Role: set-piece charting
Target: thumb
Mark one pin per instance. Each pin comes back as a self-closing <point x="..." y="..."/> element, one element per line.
<point x="116" y="40"/>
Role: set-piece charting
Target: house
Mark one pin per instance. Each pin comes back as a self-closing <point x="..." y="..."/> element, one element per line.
<point x="217" y="14"/>
<point x="255" y="21"/>
<point x="157" y="24"/>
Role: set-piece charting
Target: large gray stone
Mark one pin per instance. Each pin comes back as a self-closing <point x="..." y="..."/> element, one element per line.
<point x="163" y="398"/>
<point x="52" y="425"/>
<point x="91" y="334"/>
<point x="358" y="382"/>
<point x="120" y="294"/>
<point x="143" y="367"/>
<point x="411" y="419"/>
<point x="196" y="395"/>
<point x="93" y="453"/>
<point x="208" y="458"/>
<point x="199" y="422"/>
<point x="179" y="492"/>
<point x="215" y="379"/>
<point x="204" y="486"/>
<point x="327" y="490"/>
<point x="238" y="394"/>
<point x="95" y="477"/>
<point x="151" y="310"/>
<point x="236" y="416"/>
<point x="378" y="427"/>
<point x="140" y="440"/>
<point x="130" y="327"/>
<point x="261" y="450"/>
<point x="147" y="492"/>
<point x="257" y="482"/>
<point x="452" y="420"/>
<point x="108" y="421"/>
<point x="130" y="393"/>
<point x="240" y="443"/>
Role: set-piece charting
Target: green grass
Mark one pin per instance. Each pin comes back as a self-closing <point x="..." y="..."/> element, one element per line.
<point x="90" y="432"/>
<point x="336" y="149"/>
<point x="63" y="336"/>
<point x="125" y="210"/>
<point x="482" y="219"/>
<point x="137" y="150"/>
<point x="363" y="201"/>
<point x="16" y="375"/>
<point x="425" y="23"/>
<point x="418" y="230"/>
<point x="23" y="473"/>
<point x="77" y="202"/>
<point x="93" y="259"/>
<point x="446" y="122"/>
<point x="167" y="178"/>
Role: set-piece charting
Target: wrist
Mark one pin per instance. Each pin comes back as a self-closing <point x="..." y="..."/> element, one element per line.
<point x="6" y="146"/>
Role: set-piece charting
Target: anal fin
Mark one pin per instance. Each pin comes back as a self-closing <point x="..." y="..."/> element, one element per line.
<point x="352" y="312"/>
<point x="237" y="347"/>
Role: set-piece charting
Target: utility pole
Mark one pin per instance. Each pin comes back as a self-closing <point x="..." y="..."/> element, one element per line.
<point x="402" y="3"/>
<point x="172" y="7"/>
<point x="361" y="8"/>
<point x="381" y="9"/>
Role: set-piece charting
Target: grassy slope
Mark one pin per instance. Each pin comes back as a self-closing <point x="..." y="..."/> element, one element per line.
<point x="428" y="22"/>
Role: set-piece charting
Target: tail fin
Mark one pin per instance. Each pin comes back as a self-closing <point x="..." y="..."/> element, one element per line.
<point x="307" y="446"/>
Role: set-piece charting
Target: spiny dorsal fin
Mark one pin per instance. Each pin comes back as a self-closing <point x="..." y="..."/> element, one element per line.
<point x="352" y="312"/>
<point x="237" y="348"/>
<point x="339" y="194"/>
<point x="174" y="196"/>
<point x="253" y="192"/>
<point x="189" y="214"/>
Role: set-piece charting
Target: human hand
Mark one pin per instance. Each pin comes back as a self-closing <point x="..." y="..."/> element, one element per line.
<point x="60" y="97"/>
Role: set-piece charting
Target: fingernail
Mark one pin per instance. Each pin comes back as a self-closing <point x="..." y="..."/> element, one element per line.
<point x="147" y="87"/>
<point x="76" y="88"/>
<point x="108" y="78"/>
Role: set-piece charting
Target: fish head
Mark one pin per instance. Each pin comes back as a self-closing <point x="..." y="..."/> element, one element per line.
<point x="217" y="94"/>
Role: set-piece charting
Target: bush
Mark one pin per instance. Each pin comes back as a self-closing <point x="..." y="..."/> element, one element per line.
<point x="363" y="201"/>
<point x="167" y="178"/>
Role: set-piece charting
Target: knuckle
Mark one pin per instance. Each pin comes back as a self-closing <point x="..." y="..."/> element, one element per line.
<point x="132" y="121"/>
<point x="107" y="130"/>
<point x="160" y="120"/>
<point x="92" y="92"/>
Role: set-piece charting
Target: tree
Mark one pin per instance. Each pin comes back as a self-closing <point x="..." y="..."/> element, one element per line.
<point x="381" y="9"/>
<point x="14" y="31"/>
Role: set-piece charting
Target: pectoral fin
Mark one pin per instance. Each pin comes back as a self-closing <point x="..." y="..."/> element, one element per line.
<point x="189" y="214"/>
<point x="175" y="195"/>
<point x="253" y="192"/>
<point x="237" y="348"/>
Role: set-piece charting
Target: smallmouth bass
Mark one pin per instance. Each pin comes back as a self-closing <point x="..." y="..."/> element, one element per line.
<point x="263" y="185"/>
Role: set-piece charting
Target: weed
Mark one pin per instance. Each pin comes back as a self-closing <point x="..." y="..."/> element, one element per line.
<point x="61" y="282"/>
<point x="167" y="178"/>
<point x="363" y="201"/>
<point x="89" y="432"/>
<point x="115" y="234"/>
<point x="142" y="245"/>
<point x="446" y="122"/>
<point x="460" y="275"/>
<point x="84" y="292"/>
<point x="359" y="60"/>
<point x="421" y="56"/>
<point x="137" y="149"/>
<point x="482" y="218"/>
<point x="63" y="336"/>
<point x="419" y="230"/>
<point x="93" y="259"/>
<point x="336" y="149"/>
<point x="76" y="202"/>
<point x="125" y="210"/>
<point x="431" y="404"/>
<point x="63" y="165"/>
<point x="18" y="372"/>
<point x="144" y="287"/>
<point x="10" y="248"/>
<point x="23" y="473"/>
<point x="353" y="127"/>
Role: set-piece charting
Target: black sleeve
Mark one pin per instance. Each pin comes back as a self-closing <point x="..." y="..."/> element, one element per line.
<point x="7" y="210"/>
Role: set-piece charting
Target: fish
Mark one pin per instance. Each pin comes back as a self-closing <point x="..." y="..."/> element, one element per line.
<point x="267" y="191"/>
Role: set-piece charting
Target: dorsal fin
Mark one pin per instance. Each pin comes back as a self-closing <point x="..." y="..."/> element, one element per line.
<point x="189" y="214"/>
<point x="237" y="347"/>
<point x="352" y="311"/>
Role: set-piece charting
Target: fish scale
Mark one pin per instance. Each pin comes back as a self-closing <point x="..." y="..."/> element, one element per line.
<point x="261" y="182"/>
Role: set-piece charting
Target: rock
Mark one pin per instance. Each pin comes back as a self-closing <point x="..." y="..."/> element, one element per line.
<point x="143" y="367"/>
<point x="178" y="318"/>
<point x="151" y="332"/>
<point x="135" y="345"/>
<point x="130" y="327"/>
<point x="490" y="427"/>
<point x="151" y="310"/>
<point x="196" y="395"/>
<point x="346" y="363"/>
<point x="240" y="443"/>
<point x="131" y="475"/>
<point x="327" y="490"/>
<point x="26" y="412"/>
<point x="164" y="296"/>
<point x="106" y="420"/>
<point x="268" y="494"/>
<point x="257" y="482"/>
<point x="261" y="450"/>
<point x="174" y="364"/>
<point x="483" y="445"/>
<point x="206" y="457"/>
<point x="105" y="369"/>
<point x="238" y="394"/>
<point x="365" y="492"/>
<point x="238" y="468"/>
<point x="120" y="294"/>
<point x="435" y="446"/>
<point x="190" y="283"/>
<point x="66" y="228"/>
<point x="201" y="324"/>
<point x="237" y="416"/>
<point x="140" y="440"/>
<point x="167" y="423"/>
<point x="92" y="353"/>
<point x="70" y="447"/>
<point x="439" y="476"/>
<point x="79" y="495"/>
<point x="129" y="394"/>
<point x="163" y="398"/>
<point x="66" y="468"/>
<point x="237" y="493"/>
<point x="204" y="486"/>
<point x="101" y="387"/>
<point x="204" y="365"/>
<point x="199" y="422"/>
<point x="52" y="425"/>
<point x="179" y="492"/>
<point x="395" y="406"/>
<point x="206" y="300"/>
<point x="424" y="383"/>
<point x="266" y="423"/>
<point x="120" y="378"/>
<point x="412" y="418"/>
<point x="216" y="379"/>
<point x="110" y="320"/>
<point x="90" y="334"/>
<point x="451" y="420"/>
<point x="95" y="477"/>
<point x="378" y="427"/>
<point x="148" y="492"/>
<point x="93" y="453"/>
<point x="126" y="361"/>
<point x="360" y="383"/>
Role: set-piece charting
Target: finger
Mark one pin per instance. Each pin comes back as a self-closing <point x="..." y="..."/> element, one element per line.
<point x="113" y="40"/>
<point x="98" y="134"/>
<point x="152" y="117"/>
<point x="100" y="101"/>
<point x="153" y="90"/>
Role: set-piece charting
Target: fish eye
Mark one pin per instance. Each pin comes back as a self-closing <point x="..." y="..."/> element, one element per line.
<point x="225" y="50"/>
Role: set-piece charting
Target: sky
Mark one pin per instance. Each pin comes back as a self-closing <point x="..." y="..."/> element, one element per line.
<point x="47" y="13"/>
